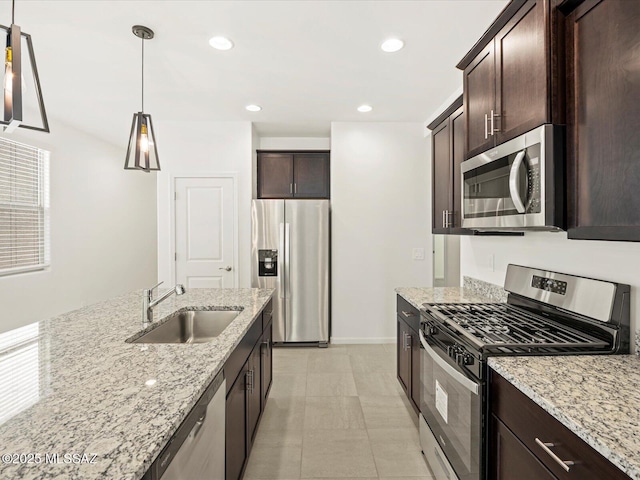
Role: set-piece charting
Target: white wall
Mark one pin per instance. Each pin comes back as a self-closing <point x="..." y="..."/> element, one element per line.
<point x="103" y="229"/>
<point x="616" y="261"/>
<point x="380" y="203"/>
<point x="295" y="143"/>
<point x="204" y="148"/>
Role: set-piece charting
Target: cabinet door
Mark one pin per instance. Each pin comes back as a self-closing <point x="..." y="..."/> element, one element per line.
<point x="254" y="392"/>
<point x="404" y="359"/>
<point x="522" y="73"/>
<point x="457" y="157"/>
<point x="604" y="120"/>
<point x="267" y="363"/>
<point x="236" y="428"/>
<point x="441" y="161"/>
<point x="509" y="459"/>
<point x="415" y="370"/>
<point x="479" y="100"/>
<point x="275" y="175"/>
<point x="311" y="175"/>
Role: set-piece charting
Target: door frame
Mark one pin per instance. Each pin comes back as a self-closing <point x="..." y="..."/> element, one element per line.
<point x="172" y="213"/>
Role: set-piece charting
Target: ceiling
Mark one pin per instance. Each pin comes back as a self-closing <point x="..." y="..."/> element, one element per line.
<point x="307" y="63"/>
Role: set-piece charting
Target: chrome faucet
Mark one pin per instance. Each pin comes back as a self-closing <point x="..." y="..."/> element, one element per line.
<point x="148" y="302"/>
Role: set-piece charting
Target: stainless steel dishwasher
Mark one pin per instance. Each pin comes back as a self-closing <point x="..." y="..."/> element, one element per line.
<point x="197" y="449"/>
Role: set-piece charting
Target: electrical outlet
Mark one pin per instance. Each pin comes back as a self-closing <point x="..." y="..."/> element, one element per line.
<point x="418" y="253"/>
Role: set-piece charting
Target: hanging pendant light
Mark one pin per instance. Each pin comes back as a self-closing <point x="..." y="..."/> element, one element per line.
<point x="13" y="83"/>
<point x="142" y="153"/>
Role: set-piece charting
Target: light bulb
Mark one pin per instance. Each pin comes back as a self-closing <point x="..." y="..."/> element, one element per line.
<point x="8" y="70"/>
<point x="144" y="139"/>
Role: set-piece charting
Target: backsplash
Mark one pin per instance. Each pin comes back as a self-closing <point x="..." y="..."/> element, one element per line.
<point x="485" y="289"/>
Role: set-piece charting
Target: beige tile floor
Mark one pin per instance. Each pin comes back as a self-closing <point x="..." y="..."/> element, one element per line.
<point x="334" y="413"/>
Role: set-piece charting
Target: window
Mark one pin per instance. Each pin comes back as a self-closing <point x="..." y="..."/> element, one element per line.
<point x="24" y="207"/>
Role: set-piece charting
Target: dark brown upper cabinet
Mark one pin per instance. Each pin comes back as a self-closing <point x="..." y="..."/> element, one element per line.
<point x="603" y="119"/>
<point x="447" y="153"/>
<point x="512" y="78"/>
<point x="287" y="174"/>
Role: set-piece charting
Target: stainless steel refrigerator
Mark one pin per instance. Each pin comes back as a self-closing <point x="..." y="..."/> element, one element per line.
<point x="290" y="252"/>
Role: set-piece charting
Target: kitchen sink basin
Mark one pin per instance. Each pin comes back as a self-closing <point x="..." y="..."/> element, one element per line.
<point x="190" y="326"/>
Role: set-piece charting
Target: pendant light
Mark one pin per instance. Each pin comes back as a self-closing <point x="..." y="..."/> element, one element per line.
<point x="13" y="79"/>
<point x="142" y="153"/>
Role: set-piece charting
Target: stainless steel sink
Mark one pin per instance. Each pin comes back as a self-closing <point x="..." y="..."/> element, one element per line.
<point x="190" y="326"/>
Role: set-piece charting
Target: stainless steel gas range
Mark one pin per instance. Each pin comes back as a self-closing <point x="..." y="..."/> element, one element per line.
<point x="547" y="313"/>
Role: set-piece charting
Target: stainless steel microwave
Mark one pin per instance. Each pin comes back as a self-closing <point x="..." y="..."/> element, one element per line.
<point x="518" y="185"/>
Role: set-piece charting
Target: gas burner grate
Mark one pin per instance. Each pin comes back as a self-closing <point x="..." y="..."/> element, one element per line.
<point x="506" y="326"/>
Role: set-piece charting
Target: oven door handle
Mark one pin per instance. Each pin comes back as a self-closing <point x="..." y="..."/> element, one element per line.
<point x="470" y="385"/>
<point x="514" y="191"/>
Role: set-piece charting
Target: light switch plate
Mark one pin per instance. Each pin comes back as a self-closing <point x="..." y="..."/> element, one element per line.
<point x="418" y="253"/>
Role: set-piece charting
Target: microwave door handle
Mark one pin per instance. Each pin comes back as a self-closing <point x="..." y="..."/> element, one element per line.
<point x="513" y="182"/>
<point x="456" y="375"/>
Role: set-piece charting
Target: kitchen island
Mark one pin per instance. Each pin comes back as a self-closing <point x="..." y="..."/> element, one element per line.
<point x="111" y="405"/>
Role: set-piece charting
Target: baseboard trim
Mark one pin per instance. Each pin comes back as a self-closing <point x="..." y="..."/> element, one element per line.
<point x="361" y="340"/>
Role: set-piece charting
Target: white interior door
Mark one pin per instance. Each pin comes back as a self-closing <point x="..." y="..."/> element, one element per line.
<point x="205" y="219"/>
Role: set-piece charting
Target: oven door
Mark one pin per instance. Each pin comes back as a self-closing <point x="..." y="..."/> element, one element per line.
<point x="452" y="406"/>
<point x="503" y="188"/>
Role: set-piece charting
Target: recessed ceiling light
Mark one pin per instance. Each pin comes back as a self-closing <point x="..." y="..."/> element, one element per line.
<point x="365" y="108"/>
<point x="392" y="45"/>
<point x="221" y="43"/>
<point x="253" y="108"/>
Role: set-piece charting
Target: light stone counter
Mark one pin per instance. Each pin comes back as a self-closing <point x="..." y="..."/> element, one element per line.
<point x="416" y="296"/>
<point x="596" y="397"/>
<point x="84" y="390"/>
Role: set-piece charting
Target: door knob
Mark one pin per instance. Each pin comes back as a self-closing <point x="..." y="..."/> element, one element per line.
<point x="228" y="269"/>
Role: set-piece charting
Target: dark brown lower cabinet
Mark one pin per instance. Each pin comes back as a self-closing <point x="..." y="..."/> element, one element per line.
<point x="236" y="427"/>
<point x="510" y="459"/>
<point x="249" y="371"/>
<point x="267" y="362"/>
<point x="408" y="351"/>
<point x="528" y="443"/>
<point x="254" y="392"/>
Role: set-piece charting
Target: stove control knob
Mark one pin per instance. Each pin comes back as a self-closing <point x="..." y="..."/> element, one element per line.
<point x="432" y="330"/>
<point x="467" y="359"/>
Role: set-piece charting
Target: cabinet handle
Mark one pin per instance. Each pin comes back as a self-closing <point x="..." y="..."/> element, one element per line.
<point x="492" y="125"/>
<point x="265" y="343"/>
<point x="295" y="188"/>
<point x="565" y="464"/>
<point x="447" y="222"/>
<point x="486" y="121"/>
<point x="408" y="314"/>
<point x="443" y="220"/>
<point x="291" y="188"/>
<point x="405" y="345"/>
<point x="249" y="381"/>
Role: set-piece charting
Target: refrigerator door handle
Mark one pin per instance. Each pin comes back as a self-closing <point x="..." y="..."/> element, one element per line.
<point x="282" y="263"/>
<point x="287" y="258"/>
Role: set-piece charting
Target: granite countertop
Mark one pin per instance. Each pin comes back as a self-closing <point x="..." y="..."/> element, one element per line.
<point x="85" y="391"/>
<point x="416" y="296"/>
<point x="596" y="397"/>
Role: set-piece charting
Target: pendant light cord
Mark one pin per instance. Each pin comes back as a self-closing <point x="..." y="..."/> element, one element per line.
<point x="142" y="73"/>
<point x="13" y="12"/>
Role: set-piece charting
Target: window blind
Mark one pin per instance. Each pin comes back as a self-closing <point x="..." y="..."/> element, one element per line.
<point x="19" y="370"/>
<point x="24" y="207"/>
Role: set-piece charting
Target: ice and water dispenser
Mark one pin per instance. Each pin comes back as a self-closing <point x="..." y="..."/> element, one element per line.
<point x="268" y="263"/>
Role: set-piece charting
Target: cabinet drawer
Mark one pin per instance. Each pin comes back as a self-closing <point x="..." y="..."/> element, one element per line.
<point x="535" y="427"/>
<point x="267" y="314"/>
<point x="408" y="313"/>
